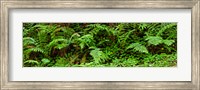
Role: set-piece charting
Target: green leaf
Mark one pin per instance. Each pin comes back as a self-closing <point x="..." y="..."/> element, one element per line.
<point x="35" y="49"/>
<point x="28" y="41"/>
<point x="31" y="62"/>
<point x="97" y="55"/>
<point x="138" y="47"/>
<point x="168" y="42"/>
<point x="45" y="60"/>
<point x="82" y="45"/>
<point x="155" y="40"/>
<point x="164" y="28"/>
<point x="58" y="43"/>
<point x="142" y="26"/>
<point x="86" y="40"/>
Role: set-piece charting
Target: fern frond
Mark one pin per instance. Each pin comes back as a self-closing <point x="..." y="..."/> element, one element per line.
<point x="86" y="40"/>
<point x="61" y="62"/>
<point x="125" y="36"/>
<point x="43" y="36"/>
<point x="168" y="42"/>
<point x="35" y="49"/>
<point x="58" y="43"/>
<point x="98" y="55"/>
<point x="165" y="27"/>
<point x="31" y="62"/>
<point x="142" y="26"/>
<point x="138" y="47"/>
<point x="65" y="32"/>
<point x="28" y="41"/>
<point x="155" y="40"/>
<point x="95" y="28"/>
<point x="45" y="61"/>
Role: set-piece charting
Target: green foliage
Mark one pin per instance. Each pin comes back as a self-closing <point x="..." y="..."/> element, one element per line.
<point x="45" y="61"/>
<point x="99" y="44"/>
<point x="160" y="60"/>
<point x="155" y="40"/>
<point x="28" y="41"/>
<point x="31" y="63"/>
<point x="166" y="27"/>
<point x="86" y="40"/>
<point x="138" y="47"/>
<point x="168" y="42"/>
<point x="61" y="62"/>
<point x="58" y="44"/>
<point x="98" y="56"/>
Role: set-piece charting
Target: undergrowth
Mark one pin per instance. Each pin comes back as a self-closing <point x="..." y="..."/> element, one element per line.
<point x="99" y="44"/>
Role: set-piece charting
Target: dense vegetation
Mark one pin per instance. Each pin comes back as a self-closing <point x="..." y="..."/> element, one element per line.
<point x="99" y="44"/>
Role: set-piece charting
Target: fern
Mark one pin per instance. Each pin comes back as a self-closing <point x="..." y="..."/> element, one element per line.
<point x="45" y="61"/>
<point x="99" y="44"/>
<point x="61" y="62"/>
<point x="28" y="41"/>
<point x="165" y="27"/>
<point x="58" y="43"/>
<point x="63" y="32"/>
<point x="155" y="40"/>
<point x="138" y="47"/>
<point x="44" y="33"/>
<point x="168" y="42"/>
<point x="74" y="37"/>
<point x="98" y="56"/>
<point x="31" y="62"/>
<point x="30" y="30"/>
<point x="95" y="28"/>
<point x="43" y="36"/>
<point x="86" y="40"/>
<point x="143" y="26"/>
<point x="122" y="39"/>
<point x="35" y="49"/>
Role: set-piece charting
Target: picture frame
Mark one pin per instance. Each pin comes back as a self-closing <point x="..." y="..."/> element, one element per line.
<point x="194" y="5"/>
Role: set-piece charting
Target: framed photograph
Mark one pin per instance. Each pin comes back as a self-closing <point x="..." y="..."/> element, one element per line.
<point x="90" y="44"/>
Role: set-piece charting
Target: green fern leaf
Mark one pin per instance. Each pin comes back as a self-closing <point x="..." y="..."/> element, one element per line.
<point x="165" y="27"/>
<point x="155" y="40"/>
<point x="168" y="42"/>
<point x="143" y="26"/>
<point x="28" y="41"/>
<point x="86" y="40"/>
<point x="45" y="60"/>
<point x="138" y="47"/>
<point x="31" y="62"/>
<point x="98" y="55"/>
<point x="35" y="49"/>
<point x="82" y="45"/>
<point x="58" y="43"/>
